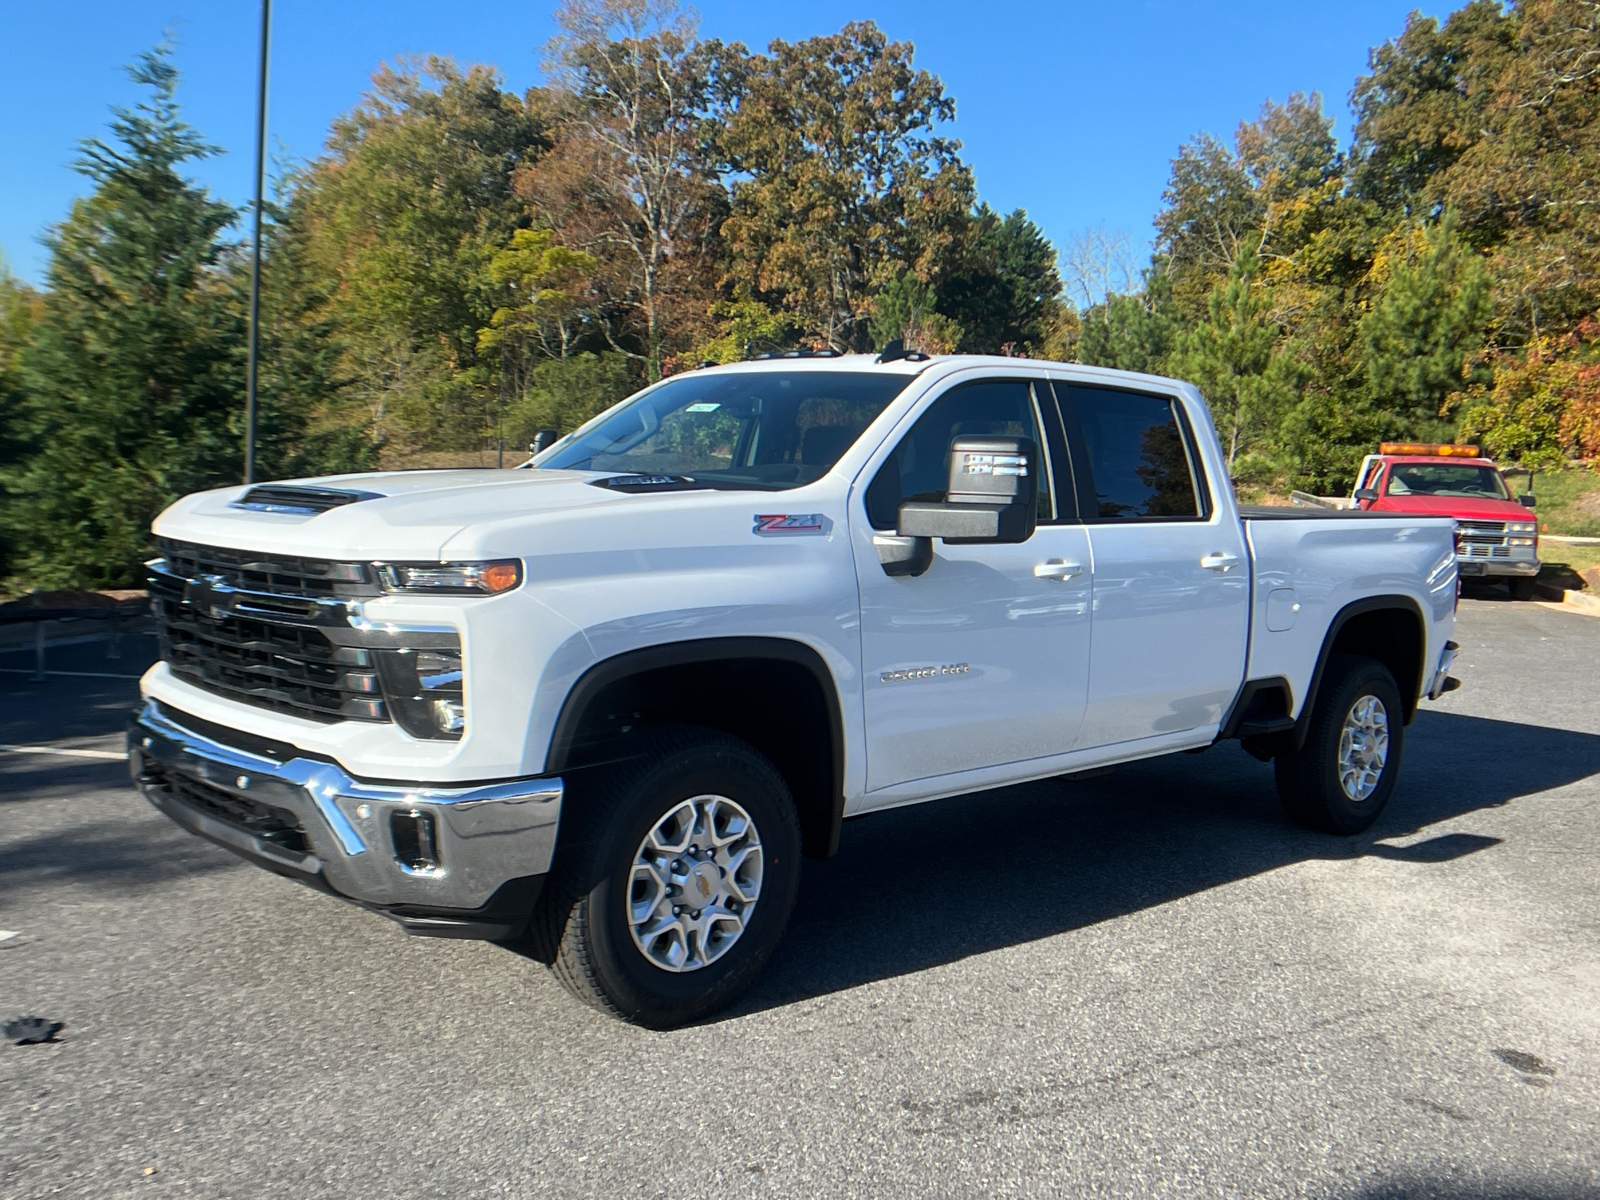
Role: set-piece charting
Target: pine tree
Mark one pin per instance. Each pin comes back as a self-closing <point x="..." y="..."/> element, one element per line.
<point x="1132" y="332"/>
<point x="1237" y="358"/>
<point x="18" y="303"/>
<point x="1426" y="324"/>
<point x="134" y="378"/>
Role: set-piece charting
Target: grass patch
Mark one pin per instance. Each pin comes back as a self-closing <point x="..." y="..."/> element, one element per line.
<point x="1569" y="501"/>
<point x="1576" y="567"/>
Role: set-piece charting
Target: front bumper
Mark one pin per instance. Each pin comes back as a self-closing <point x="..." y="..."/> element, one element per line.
<point x="450" y="861"/>
<point x="1478" y="567"/>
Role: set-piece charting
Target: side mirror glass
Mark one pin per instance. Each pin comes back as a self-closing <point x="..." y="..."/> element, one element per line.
<point x="1366" y="493"/>
<point x="993" y="495"/>
<point x="1527" y="500"/>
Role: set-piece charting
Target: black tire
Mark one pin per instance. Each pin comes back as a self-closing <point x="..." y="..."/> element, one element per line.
<point x="584" y="917"/>
<point x="1524" y="589"/>
<point x="1309" y="780"/>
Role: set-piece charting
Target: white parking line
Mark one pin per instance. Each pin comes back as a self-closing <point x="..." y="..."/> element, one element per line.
<point x="64" y="751"/>
<point x="76" y="674"/>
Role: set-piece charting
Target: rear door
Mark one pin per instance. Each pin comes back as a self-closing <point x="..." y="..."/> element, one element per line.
<point x="982" y="660"/>
<point x="1171" y="573"/>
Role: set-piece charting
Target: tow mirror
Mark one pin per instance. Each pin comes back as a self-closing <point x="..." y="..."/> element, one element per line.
<point x="543" y="440"/>
<point x="1366" y="493"/>
<point x="1527" y="500"/>
<point x="993" y="495"/>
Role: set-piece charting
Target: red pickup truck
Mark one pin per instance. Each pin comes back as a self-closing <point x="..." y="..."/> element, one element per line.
<point x="1495" y="534"/>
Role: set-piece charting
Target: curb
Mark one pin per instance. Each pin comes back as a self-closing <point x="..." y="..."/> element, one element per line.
<point x="1566" y="601"/>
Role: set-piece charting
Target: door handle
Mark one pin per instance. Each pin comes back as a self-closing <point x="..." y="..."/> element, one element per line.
<point x="1221" y="560"/>
<point x="1058" y="568"/>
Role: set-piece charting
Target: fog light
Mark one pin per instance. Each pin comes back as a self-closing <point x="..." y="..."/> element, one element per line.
<point x="415" y="847"/>
<point x="424" y="691"/>
<point x="450" y="715"/>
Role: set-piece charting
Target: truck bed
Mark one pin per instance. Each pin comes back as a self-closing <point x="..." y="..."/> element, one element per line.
<point x="1309" y="563"/>
<point x="1285" y="512"/>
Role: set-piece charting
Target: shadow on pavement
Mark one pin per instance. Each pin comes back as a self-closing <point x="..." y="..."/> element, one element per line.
<point x="67" y="706"/>
<point x="115" y="853"/>
<point x="136" y="851"/>
<point x="917" y="888"/>
<point x="1450" y="1189"/>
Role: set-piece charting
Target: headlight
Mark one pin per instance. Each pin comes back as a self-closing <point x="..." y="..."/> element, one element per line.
<point x="423" y="688"/>
<point x="1520" y="541"/>
<point x="1522" y="527"/>
<point x="470" y="579"/>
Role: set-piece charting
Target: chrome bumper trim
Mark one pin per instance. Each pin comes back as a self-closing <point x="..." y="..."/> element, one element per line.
<point x="1447" y="658"/>
<point x="485" y="835"/>
<point x="1470" y="567"/>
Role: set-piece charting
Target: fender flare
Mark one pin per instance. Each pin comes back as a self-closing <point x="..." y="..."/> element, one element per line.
<point x="1388" y="603"/>
<point x="705" y="650"/>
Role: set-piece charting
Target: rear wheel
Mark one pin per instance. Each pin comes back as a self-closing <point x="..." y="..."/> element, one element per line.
<point x="678" y="878"/>
<point x="1341" y="778"/>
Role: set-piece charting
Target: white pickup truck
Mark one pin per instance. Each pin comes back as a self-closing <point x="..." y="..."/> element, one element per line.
<point x="604" y="705"/>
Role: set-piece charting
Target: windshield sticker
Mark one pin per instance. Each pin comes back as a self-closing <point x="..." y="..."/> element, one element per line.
<point x="790" y="523"/>
<point x="702" y="408"/>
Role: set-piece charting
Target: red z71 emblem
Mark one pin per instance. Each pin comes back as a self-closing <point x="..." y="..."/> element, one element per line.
<point x="791" y="523"/>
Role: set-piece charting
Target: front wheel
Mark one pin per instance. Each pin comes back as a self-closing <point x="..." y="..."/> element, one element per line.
<point x="1341" y="778"/>
<point x="679" y="881"/>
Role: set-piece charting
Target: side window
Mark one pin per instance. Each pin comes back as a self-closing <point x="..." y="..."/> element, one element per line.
<point x="919" y="468"/>
<point x="1140" y="459"/>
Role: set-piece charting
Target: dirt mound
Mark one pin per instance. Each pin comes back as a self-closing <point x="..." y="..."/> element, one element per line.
<point x="1587" y="505"/>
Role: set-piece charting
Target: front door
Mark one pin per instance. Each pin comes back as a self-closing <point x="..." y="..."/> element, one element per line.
<point x="1171" y="572"/>
<point x="983" y="659"/>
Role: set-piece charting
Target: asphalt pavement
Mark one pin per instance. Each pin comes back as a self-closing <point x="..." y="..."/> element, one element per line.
<point x="1147" y="984"/>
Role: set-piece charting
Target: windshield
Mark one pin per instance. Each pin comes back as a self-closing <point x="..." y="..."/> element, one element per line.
<point x="769" y="430"/>
<point x="1446" y="479"/>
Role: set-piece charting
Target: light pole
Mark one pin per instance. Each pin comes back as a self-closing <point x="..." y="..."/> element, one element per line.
<point x="255" y="250"/>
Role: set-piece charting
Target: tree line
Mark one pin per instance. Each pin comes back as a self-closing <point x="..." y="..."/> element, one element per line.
<point x="463" y="265"/>
<point x="1438" y="278"/>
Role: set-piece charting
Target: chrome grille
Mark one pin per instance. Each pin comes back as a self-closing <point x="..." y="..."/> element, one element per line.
<point x="283" y="574"/>
<point x="244" y="626"/>
<point x="1482" y="539"/>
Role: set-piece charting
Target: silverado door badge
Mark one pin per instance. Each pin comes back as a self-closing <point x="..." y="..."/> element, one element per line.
<point x="790" y="523"/>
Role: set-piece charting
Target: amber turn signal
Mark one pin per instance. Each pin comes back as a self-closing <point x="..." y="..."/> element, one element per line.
<point x="500" y="576"/>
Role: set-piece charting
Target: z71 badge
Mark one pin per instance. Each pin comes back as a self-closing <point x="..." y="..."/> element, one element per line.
<point x="790" y="523"/>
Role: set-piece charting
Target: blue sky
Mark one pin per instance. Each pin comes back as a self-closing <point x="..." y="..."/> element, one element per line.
<point x="1071" y="110"/>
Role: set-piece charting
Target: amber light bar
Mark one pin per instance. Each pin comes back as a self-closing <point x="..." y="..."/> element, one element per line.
<point x="1434" y="449"/>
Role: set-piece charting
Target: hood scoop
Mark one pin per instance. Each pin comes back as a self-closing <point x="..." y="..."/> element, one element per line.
<point x="298" y="501"/>
<point x="636" y="484"/>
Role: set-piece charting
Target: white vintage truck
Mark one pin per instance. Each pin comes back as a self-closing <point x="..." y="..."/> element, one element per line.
<point x="604" y="705"/>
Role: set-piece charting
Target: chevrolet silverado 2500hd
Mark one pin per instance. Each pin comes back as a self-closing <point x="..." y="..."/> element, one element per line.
<point x="605" y="704"/>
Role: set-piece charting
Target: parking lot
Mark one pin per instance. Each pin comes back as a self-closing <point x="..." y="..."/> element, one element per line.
<point x="1146" y="984"/>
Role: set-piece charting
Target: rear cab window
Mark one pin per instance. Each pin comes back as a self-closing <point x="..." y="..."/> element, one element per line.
<point x="1134" y="455"/>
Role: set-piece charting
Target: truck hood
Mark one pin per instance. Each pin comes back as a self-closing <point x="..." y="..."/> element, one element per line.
<point x="407" y="515"/>
<point x="1460" y="507"/>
